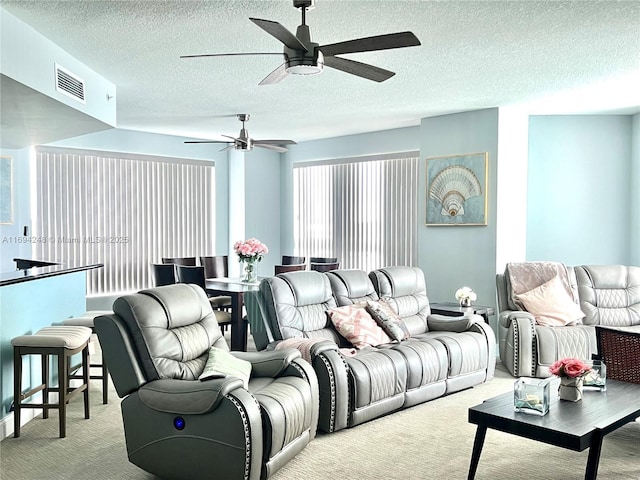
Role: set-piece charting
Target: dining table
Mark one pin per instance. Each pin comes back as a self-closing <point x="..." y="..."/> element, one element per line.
<point x="234" y="288"/>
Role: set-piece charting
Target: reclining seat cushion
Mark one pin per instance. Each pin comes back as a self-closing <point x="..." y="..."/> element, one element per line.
<point x="609" y="294"/>
<point x="297" y="304"/>
<point x="554" y="343"/>
<point x="173" y="329"/>
<point x="425" y="361"/>
<point x="404" y="288"/>
<point x="351" y="286"/>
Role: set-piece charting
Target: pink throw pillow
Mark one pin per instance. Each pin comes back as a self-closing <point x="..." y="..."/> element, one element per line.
<point x="551" y="305"/>
<point x="355" y="324"/>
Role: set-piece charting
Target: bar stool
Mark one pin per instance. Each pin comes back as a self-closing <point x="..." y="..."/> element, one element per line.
<point x="63" y="342"/>
<point x="86" y="320"/>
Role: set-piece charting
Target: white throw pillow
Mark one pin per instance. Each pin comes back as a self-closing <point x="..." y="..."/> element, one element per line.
<point x="551" y="304"/>
<point x="221" y="364"/>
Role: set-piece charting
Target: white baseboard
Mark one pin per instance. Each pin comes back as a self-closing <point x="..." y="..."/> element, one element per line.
<point x="27" y="414"/>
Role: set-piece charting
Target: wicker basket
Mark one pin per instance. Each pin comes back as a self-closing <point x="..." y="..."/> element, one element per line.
<point x="620" y="351"/>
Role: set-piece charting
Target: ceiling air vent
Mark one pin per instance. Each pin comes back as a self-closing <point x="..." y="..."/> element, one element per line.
<point x="69" y="84"/>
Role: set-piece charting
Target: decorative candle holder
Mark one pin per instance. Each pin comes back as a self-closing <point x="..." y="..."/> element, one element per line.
<point x="531" y="395"/>
<point x="596" y="379"/>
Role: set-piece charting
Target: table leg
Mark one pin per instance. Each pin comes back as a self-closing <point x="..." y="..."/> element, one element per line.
<point x="481" y="432"/>
<point x="238" y="327"/>
<point x="594" y="456"/>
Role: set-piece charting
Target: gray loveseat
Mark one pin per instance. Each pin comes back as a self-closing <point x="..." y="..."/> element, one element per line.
<point x="441" y="356"/>
<point x="608" y="295"/>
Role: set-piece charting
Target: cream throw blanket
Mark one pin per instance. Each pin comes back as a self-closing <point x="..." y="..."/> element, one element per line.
<point x="522" y="277"/>
<point x="304" y="345"/>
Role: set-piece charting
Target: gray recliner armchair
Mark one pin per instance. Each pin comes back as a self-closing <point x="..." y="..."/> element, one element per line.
<point x="176" y="426"/>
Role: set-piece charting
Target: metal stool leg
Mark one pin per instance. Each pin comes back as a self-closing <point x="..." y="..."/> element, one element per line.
<point x="45" y="381"/>
<point x="62" y="391"/>
<point x="85" y="377"/>
<point x="17" y="390"/>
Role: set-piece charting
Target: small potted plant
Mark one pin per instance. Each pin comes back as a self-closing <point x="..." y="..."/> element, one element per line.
<point x="571" y="372"/>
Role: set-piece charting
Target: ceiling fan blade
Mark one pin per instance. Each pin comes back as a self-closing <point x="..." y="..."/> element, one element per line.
<point x="275" y="142"/>
<point x="207" y="141"/>
<point x="276" y="76"/>
<point x="370" y="44"/>
<point x="276" y="30"/>
<point x="360" y="69"/>
<point x="235" y="139"/>
<point x="271" y="147"/>
<point x="230" y="54"/>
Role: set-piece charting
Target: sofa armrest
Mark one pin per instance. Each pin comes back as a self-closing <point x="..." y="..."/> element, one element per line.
<point x="269" y="363"/>
<point x="517" y="342"/>
<point x="187" y="397"/>
<point x="436" y="322"/>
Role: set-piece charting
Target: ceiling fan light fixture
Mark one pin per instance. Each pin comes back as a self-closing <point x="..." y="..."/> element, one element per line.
<point x="306" y="65"/>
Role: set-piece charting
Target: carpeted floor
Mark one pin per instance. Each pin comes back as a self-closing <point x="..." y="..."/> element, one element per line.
<point x="429" y="441"/>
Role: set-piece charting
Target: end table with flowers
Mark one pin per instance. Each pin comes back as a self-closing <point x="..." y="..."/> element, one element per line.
<point x="571" y="372"/>
<point x="250" y="252"/>
<point x="465" y="296"/>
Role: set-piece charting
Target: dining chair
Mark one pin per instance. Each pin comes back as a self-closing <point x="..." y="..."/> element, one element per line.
<point x="324" y="267"/>
<point x="289" y="260"/>
<point x="323" y="259"/>
<point x="217" y="266"/>
<point x="195" y="275"/>
<point x="191" y="261"/>
<point x="289" y="268"/>
<point x="163" y="274"/>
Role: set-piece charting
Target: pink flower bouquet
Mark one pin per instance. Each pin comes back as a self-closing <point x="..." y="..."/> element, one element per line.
<point x="569" y="368"/>
<point x="250" y="250"/>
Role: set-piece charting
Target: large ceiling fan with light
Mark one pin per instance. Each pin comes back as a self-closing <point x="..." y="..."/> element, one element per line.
<point x="304" y="57"/>
<point x="244" y="142"/>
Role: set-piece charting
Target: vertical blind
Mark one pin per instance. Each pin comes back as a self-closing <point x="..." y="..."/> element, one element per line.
<point x="123" y="211"/>
<point x="363" y="212"/>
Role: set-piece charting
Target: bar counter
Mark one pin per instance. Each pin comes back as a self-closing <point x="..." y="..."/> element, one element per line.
<point x="36" y="273"/>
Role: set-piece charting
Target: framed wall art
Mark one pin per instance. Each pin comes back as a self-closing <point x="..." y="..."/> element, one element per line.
<point x="457" y="189"/>
<point x="6" y="190"/>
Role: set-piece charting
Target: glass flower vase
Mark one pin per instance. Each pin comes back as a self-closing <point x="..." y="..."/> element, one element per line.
<point x="465" y="302"/>
<point x="250" y="271"/>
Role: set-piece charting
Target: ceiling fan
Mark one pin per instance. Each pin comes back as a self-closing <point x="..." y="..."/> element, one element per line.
<point x="304" y="57"/>
<point x="246" y="143"/>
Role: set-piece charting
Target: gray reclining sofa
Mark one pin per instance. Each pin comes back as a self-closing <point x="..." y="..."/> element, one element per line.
<point x="176" y="426"/>
<point x="608" y="295"/>
<point x="441" y="356"/>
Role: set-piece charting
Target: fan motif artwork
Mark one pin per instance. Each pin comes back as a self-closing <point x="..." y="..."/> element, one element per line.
<point x="457" y="190"/>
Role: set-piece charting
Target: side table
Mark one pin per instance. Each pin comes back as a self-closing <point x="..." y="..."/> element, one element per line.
<point x="452" y="309"/>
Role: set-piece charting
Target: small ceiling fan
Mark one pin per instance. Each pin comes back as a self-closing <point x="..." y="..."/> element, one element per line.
<point x="304" y="57"/>
<point x="246" y="143"/>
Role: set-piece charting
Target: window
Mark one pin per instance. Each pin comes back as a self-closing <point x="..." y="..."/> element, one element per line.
<point x="125" y="211"/>
<point x="363" y="211"/>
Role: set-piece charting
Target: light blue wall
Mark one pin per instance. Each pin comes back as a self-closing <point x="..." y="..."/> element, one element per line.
<point x="579" y="197"/>
<point x="456" y="256"/>
<point x="25" y="308"/>
<point x="262" y="204"/>
<point x="29" y="58"/>
<point x="634" y="238"/>
<point x="10" y="234"/>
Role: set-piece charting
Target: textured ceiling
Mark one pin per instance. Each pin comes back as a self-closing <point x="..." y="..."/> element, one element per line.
<point x="474" y="55"/>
